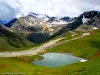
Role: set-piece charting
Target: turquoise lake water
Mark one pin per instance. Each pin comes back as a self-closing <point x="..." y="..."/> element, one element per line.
<point x="57" y="59"/>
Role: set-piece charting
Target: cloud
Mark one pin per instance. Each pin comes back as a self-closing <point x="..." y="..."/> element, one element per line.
<point x="10" y="9"/>
<point x="5" y="11"/>
<point x="60" y="7"/>
<point x="16" y="8"/>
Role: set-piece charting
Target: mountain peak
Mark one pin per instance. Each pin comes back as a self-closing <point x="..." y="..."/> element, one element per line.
<point x="90" y="14"/>
<point x="66" y="18"/>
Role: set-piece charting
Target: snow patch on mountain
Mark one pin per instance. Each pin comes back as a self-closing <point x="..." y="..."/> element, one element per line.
<point x="84" y="20"/>
<point x="43" y="17"/>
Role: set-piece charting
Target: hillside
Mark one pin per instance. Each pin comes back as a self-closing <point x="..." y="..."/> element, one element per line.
<point x="10" y="40"/>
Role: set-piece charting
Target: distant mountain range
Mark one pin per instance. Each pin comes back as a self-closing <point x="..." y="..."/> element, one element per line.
<point x="42" y="17"/>
<point x="37" y="23"/>
<point x="39" y="28"/>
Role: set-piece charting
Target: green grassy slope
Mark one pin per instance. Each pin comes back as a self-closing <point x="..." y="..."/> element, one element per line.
<point x="10" y="41"/>
<point x="83" y="47"/>
<point x="87" y="47"/>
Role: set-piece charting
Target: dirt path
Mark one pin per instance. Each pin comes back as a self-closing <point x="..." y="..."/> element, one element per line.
<point x="36" y="50"/>
<point x="32" y="51"/>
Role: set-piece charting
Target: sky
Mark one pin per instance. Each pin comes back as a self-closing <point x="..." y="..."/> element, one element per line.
<point x="15" y="8"/>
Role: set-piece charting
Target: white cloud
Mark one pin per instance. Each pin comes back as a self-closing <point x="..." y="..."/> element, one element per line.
<point x="60" y="7"/>
<point x="11" y="8"/>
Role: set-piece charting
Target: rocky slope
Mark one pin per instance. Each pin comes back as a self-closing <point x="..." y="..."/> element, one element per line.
<point x="29" y="24"/>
